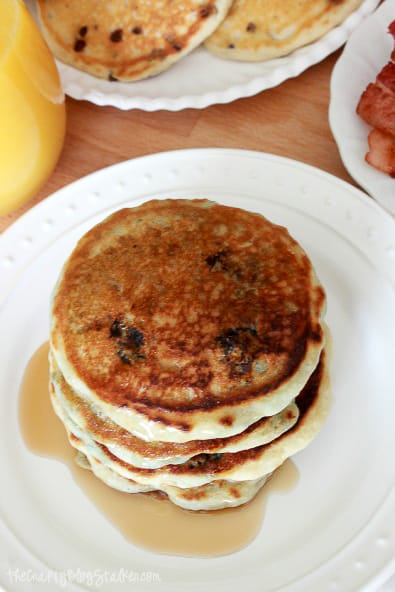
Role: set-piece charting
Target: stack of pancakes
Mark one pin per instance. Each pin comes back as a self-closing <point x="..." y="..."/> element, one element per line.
<point x="187" y="351"/>
<point x="126" y="40"/>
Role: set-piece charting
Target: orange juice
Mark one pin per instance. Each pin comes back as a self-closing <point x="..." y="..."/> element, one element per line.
<point x="32" y="109"/>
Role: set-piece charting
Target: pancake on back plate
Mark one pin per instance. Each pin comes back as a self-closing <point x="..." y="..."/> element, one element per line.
<point x="257" y="30"/>
<point x="124" y="39"/>
<point x="186" y="320"/>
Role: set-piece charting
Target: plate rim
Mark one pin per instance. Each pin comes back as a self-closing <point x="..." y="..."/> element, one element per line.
<point x="7" y="260"/>
<point x="292" y="65"/>
<point x="360" y="194"/>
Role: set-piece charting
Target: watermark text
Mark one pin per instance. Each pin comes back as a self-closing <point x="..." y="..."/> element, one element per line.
<point x="93" y="578"/>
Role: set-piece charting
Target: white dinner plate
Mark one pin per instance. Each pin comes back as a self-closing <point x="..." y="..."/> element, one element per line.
<point x="335" y="530"/>
<point x="365" y="54"/>
<point x="201" y="79"/>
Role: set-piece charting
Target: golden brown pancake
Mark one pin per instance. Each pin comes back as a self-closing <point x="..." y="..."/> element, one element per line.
<point x="155" y="454"/>
<point x="215" y="495"/>
<point x="313" y="403"/>
<point x="184" y="319"/>
<point x="124" y="39"/>
<point x="257" y="30"/>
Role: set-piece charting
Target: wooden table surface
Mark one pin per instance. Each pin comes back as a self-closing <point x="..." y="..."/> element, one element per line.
<point x="290" y="120"/>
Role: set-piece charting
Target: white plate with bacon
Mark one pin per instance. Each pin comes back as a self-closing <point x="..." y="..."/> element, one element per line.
<point x="367" y="60"/>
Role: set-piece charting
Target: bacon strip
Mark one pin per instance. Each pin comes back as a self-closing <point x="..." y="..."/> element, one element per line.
<point x="387" y="76"/>
<point x="377" y="107"/>
<point x="381" y="153"/>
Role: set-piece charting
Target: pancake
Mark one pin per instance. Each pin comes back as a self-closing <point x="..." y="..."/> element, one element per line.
<point x="153" y="455"/>
<point x="124" y="40"/>
<point x="186" y="320"/>
<point x="252" y="464"/>
<point x="257" y="30"/>
<point x="212" y="496"/>
<point x="216" y="495"/>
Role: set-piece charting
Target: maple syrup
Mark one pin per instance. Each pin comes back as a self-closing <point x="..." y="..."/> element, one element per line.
<point x="150" y="521"/>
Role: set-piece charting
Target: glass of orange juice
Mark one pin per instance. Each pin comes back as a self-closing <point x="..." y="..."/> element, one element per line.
<point x="32" y="108"/>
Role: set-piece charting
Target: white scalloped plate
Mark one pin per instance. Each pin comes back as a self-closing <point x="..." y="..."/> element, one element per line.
<point x="335" y="531"/>
<point x="201" y="79"/>
<point x="367" y="51"/>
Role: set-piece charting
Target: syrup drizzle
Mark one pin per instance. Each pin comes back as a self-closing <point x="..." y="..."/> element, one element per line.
<point x="147" y="520"/>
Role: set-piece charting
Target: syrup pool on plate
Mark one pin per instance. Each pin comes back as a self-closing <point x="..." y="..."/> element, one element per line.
<point x="144" y="519"/>
<point x="32" y="107"/>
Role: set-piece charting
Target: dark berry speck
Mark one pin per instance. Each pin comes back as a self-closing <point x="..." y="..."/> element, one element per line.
<point x="116" y="36"/>
<point x="79" y="45"/>
<point x="116" y="328"/>
<point x="251" y="27"/>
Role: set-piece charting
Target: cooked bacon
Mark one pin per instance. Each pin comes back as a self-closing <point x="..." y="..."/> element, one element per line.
<point x="377" y="107"/>
<point x="387" y="76"/>
<point x="381" y="153"/>
<point x="391" y="29"/>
